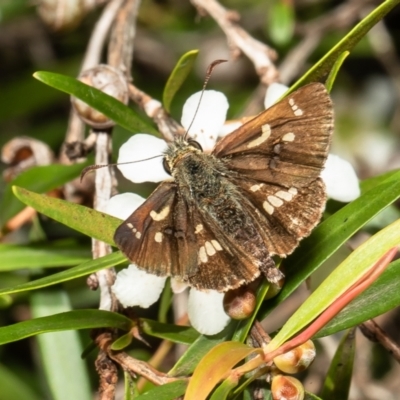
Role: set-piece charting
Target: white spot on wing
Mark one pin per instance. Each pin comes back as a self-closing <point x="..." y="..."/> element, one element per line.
<point x="161" y="215"/>
<point x="293" y="190"/>
<point x="288" y="137"/>
<point x="296" y="110"/>
<point x="216" y="245"/>
<point x="209" y="248"/>
<point x="199" y="228"/>
<point x="275" y="201"/>
<point x="266" y="132"/>
<point x="268" y="208"/>
<point x="158" y="237"/>
<point x="203" y="255"/>
<point x="129" y="225"/>
<point x="255" y="188"/>
<point x="138" y="235"/>
<point x="284" y="195"/>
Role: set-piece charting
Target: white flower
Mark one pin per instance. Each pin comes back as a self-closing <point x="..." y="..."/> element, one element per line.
<point x="338" y="175"/>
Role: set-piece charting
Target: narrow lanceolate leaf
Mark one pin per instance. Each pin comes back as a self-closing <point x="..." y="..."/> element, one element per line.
<point x="339" y="281"/>
<point x="40" y="179"/>
<point x="335" y="70"/>
<point x="81" y="319"/>
<point x="338" y="379"/>
<point x="333" y="233"/>
<point x="84" y="269"/>
<point x="324" y="65"/>
<point x="202" y="345"/>
<point x="169" y="391"/>
<point x="386" y="289"/>
<point x="42" y="256"/>
<point x="108" y="105"/>
<point x="83" y="219"/>
<point x="66" y="345"/>
<point x="177" y="334"/>
<point x="214" y="367"/>
<point x="178" y="76"/>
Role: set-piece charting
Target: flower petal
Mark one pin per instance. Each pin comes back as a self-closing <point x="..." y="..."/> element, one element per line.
<point x="140" y="147"/>
<point x="135" y="287"/>
<point x="206" y="312"/>
<point x="210" y="117"/>
<point x="123" y="205"/>
<point x="229" y="127"/>
<point x="178" y="285"/>
<point x="274" y="92"/>
<point x="340" y="179"/>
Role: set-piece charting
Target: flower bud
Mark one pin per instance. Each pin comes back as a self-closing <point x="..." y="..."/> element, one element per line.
<point x="110" y="81"/>
<point x="297" y="359"/>
<point x="286" y="388"/>
<point x="240" y="303"/>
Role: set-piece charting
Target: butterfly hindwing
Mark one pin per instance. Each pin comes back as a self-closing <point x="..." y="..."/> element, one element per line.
<point x="286" y="143"/>
<point x="284" y="215"/>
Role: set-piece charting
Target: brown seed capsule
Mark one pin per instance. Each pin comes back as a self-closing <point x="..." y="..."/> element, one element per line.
<point x="240" y="303"/>
<point x="109" y="80"/>
<point x="286" y="388"/>
<point x="296" y="360"/>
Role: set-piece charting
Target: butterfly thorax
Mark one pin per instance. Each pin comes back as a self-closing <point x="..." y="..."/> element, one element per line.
<point x="201" y="178"/>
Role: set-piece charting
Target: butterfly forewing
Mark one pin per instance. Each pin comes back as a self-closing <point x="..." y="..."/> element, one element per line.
<point x="287" y="144"/>
<point x="146" y="237"/>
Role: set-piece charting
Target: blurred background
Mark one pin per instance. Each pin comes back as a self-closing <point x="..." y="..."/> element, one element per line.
<point x="366" y="98"/>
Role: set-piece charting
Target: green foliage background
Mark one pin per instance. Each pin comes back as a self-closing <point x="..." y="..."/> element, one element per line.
<point x="50" y="366"/>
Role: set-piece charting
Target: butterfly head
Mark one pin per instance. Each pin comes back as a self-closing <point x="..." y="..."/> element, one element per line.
<point x="179" y="149"/>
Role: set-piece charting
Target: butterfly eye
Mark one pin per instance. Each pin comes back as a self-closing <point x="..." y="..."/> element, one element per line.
<point x="195" y="144"/>
<point x="165" y="164"/>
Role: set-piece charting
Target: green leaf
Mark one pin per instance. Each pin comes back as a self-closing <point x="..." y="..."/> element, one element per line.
<point x="108" y="105"/>
<point x="340" y="280"/>
<point x="122" y="342"/>
<point x="178" y="76"/>
<point x="244" y="326"/>
<point x="42" y="256"/>
<point x="80" y="319"/>
<point x="381" y="297"/>
<point x="223" y="390"/>
<point x="214" y="366"/>
<point x="335" y="70"/>
<point x="40" y="179"/>
<point x="62" y="346"/>
<point x="84" y="269"/>
<point x="174" y="333"/>
<point x="192" y="356"/>
<point x="370" y="183"/>
<point x="338" y="380"/>
<point x="169" y="391"/>
<point x="324" y="65"/>
<point x="83" y="219"/>
<point x="331" y="234"/>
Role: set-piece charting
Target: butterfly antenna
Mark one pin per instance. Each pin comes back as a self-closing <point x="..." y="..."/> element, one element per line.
<point x="98" y="166"/>
<point x="207" y="78"/>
